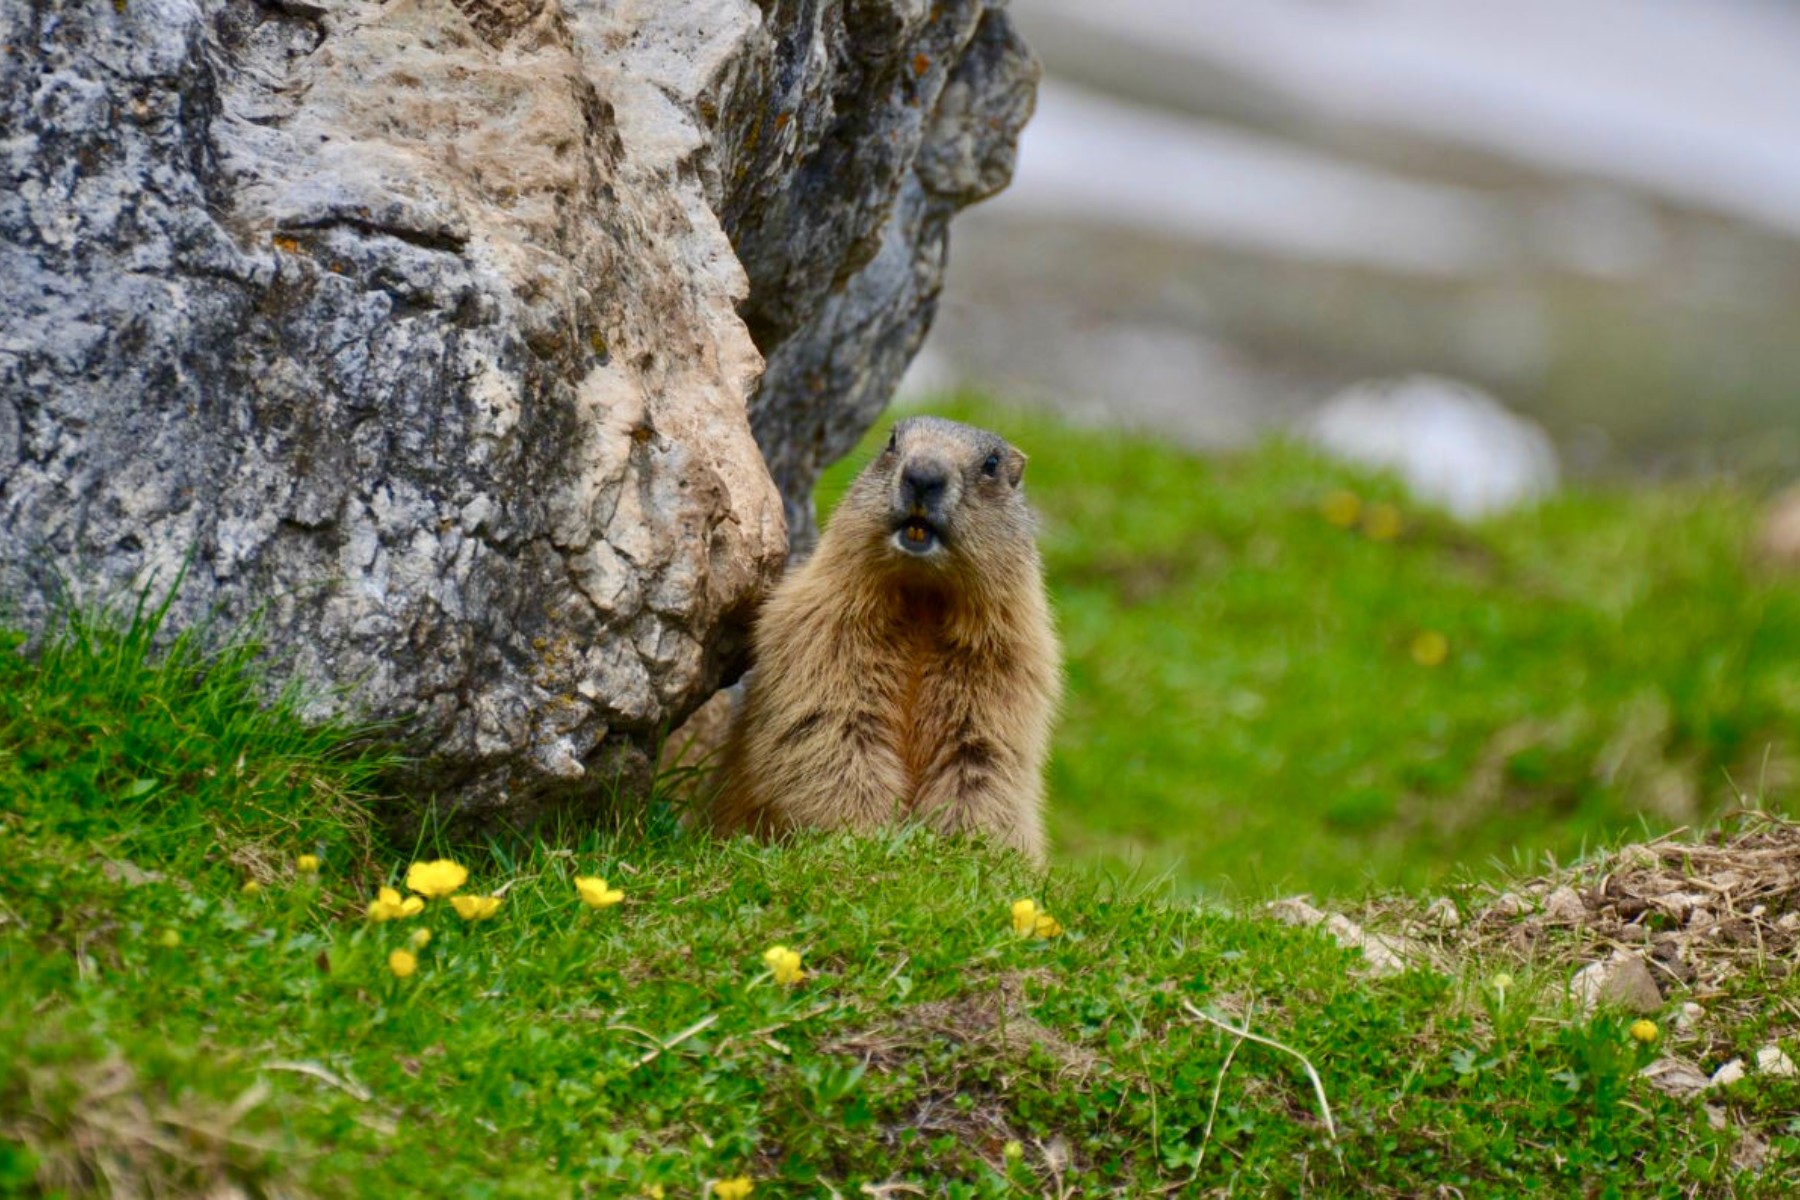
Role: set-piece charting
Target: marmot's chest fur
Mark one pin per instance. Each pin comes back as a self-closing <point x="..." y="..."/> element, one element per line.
<point x="910" y="668"/>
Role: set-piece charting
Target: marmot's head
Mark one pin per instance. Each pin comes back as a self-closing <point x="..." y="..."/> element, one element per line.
<point x="942" y="496"/>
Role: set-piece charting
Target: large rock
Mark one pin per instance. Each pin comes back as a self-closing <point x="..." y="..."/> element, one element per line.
<point x="434" y="333"/>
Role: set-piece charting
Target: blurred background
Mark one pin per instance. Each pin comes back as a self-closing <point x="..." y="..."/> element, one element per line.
<point x="1411" y="387"/>
<point x="1225" y="213"/>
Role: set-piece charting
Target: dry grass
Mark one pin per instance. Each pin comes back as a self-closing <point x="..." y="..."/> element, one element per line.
<point x="1702" y="912"/>
<point x="117" y="1136"/>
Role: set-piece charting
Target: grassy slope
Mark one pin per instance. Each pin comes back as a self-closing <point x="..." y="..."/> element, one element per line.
<point x="163" y="1028"/>
<point x="1244" y="709"/>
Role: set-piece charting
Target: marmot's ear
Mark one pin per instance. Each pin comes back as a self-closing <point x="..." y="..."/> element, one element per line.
<point x="1015" y="466"/>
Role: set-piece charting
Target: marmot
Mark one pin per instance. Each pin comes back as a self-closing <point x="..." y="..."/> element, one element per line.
<point x="910" y="667"/>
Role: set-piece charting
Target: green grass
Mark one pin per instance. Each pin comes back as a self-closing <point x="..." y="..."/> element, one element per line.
<point x="1245" y="713"/>
<point x="163" y="1031"/>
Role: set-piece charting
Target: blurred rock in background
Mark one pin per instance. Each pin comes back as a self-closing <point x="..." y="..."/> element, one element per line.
<point x="1225" y="214"/>
<point x="1453" y="445"/>
<point x="1778" y="542"/>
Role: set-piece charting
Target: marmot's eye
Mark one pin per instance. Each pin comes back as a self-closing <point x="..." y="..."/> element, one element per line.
<point x="991" y="467"/>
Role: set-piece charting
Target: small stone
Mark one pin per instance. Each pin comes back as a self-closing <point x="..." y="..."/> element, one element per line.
<point x="1770" y="1060"/>
<point x="1676" y="1077"/>
<point x="1751" y="1151"/>
<point x="1384" y="954"/>
<point x="1508" y="904"/>
<point x="1728" y="1074"/>
<point x="1690" y="1015"/>
<point x="121" y="870"/>
<point x="1443" y="914"/>
<point x="1295" y="910"/>
<point x="1622" y="982"/>
<point x="1564" y="906"/>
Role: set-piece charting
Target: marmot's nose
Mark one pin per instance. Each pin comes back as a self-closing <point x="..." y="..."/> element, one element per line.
<point x="922" y="484"/>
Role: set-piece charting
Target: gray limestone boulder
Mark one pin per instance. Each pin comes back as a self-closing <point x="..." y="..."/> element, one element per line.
<point x="485" y="351"/>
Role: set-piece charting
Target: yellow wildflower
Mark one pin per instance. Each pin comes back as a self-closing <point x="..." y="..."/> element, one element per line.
<point x="732" y="1189"/>
<point x="1028" y="920"/>
<point x="474" y="908"/>
<point x="785" y="963"/>
<point x="1013" y="1151"/>
<point x="1382" y="522"/>
<point x="169" y="939"/>
<point x="595" y="893"/>
<point x="1430" y="649"/>
<point x="403" y="963"/>
<point x="388" y="906"/>
<point x="1645" y="1032"/>
<point x="435" y="879"/>
<point x="1502" y="981"/>
<point x="308" y="864"/>
<point x="1342" y="508"/>
<point x="421" y="937"/>
<point x="251" y="887"/>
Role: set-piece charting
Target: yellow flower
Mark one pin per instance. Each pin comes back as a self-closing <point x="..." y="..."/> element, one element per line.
<point x="169" y="939"/>
<point x="1382" y="522"/>
<point x="435" y="879"/>
<point x="1430" y="649"/>
<point x="1501" y="982"/>
<point x="595" y="893"/>
<point x="1013" y="1151"/>
<point x="732" y="1189"/>
<point x="251" y="887"/>
<point x="388" y="906"/>
<point x="420" y="938"/>
<point x="785" y="963"/>
<point x="1645" y="1032"/>
<point x="1341" y="508"/>
<point x="402" y="963"/>
<point x="308" y="864"/>
<point x="474" y="908"/>
<point x="1028" y="920"/>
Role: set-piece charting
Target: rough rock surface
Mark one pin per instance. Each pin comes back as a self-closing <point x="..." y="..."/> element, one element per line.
<point x="434" y="332"/>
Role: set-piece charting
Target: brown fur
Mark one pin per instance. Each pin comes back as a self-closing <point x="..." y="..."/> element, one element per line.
<point x="894" y="684"/>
